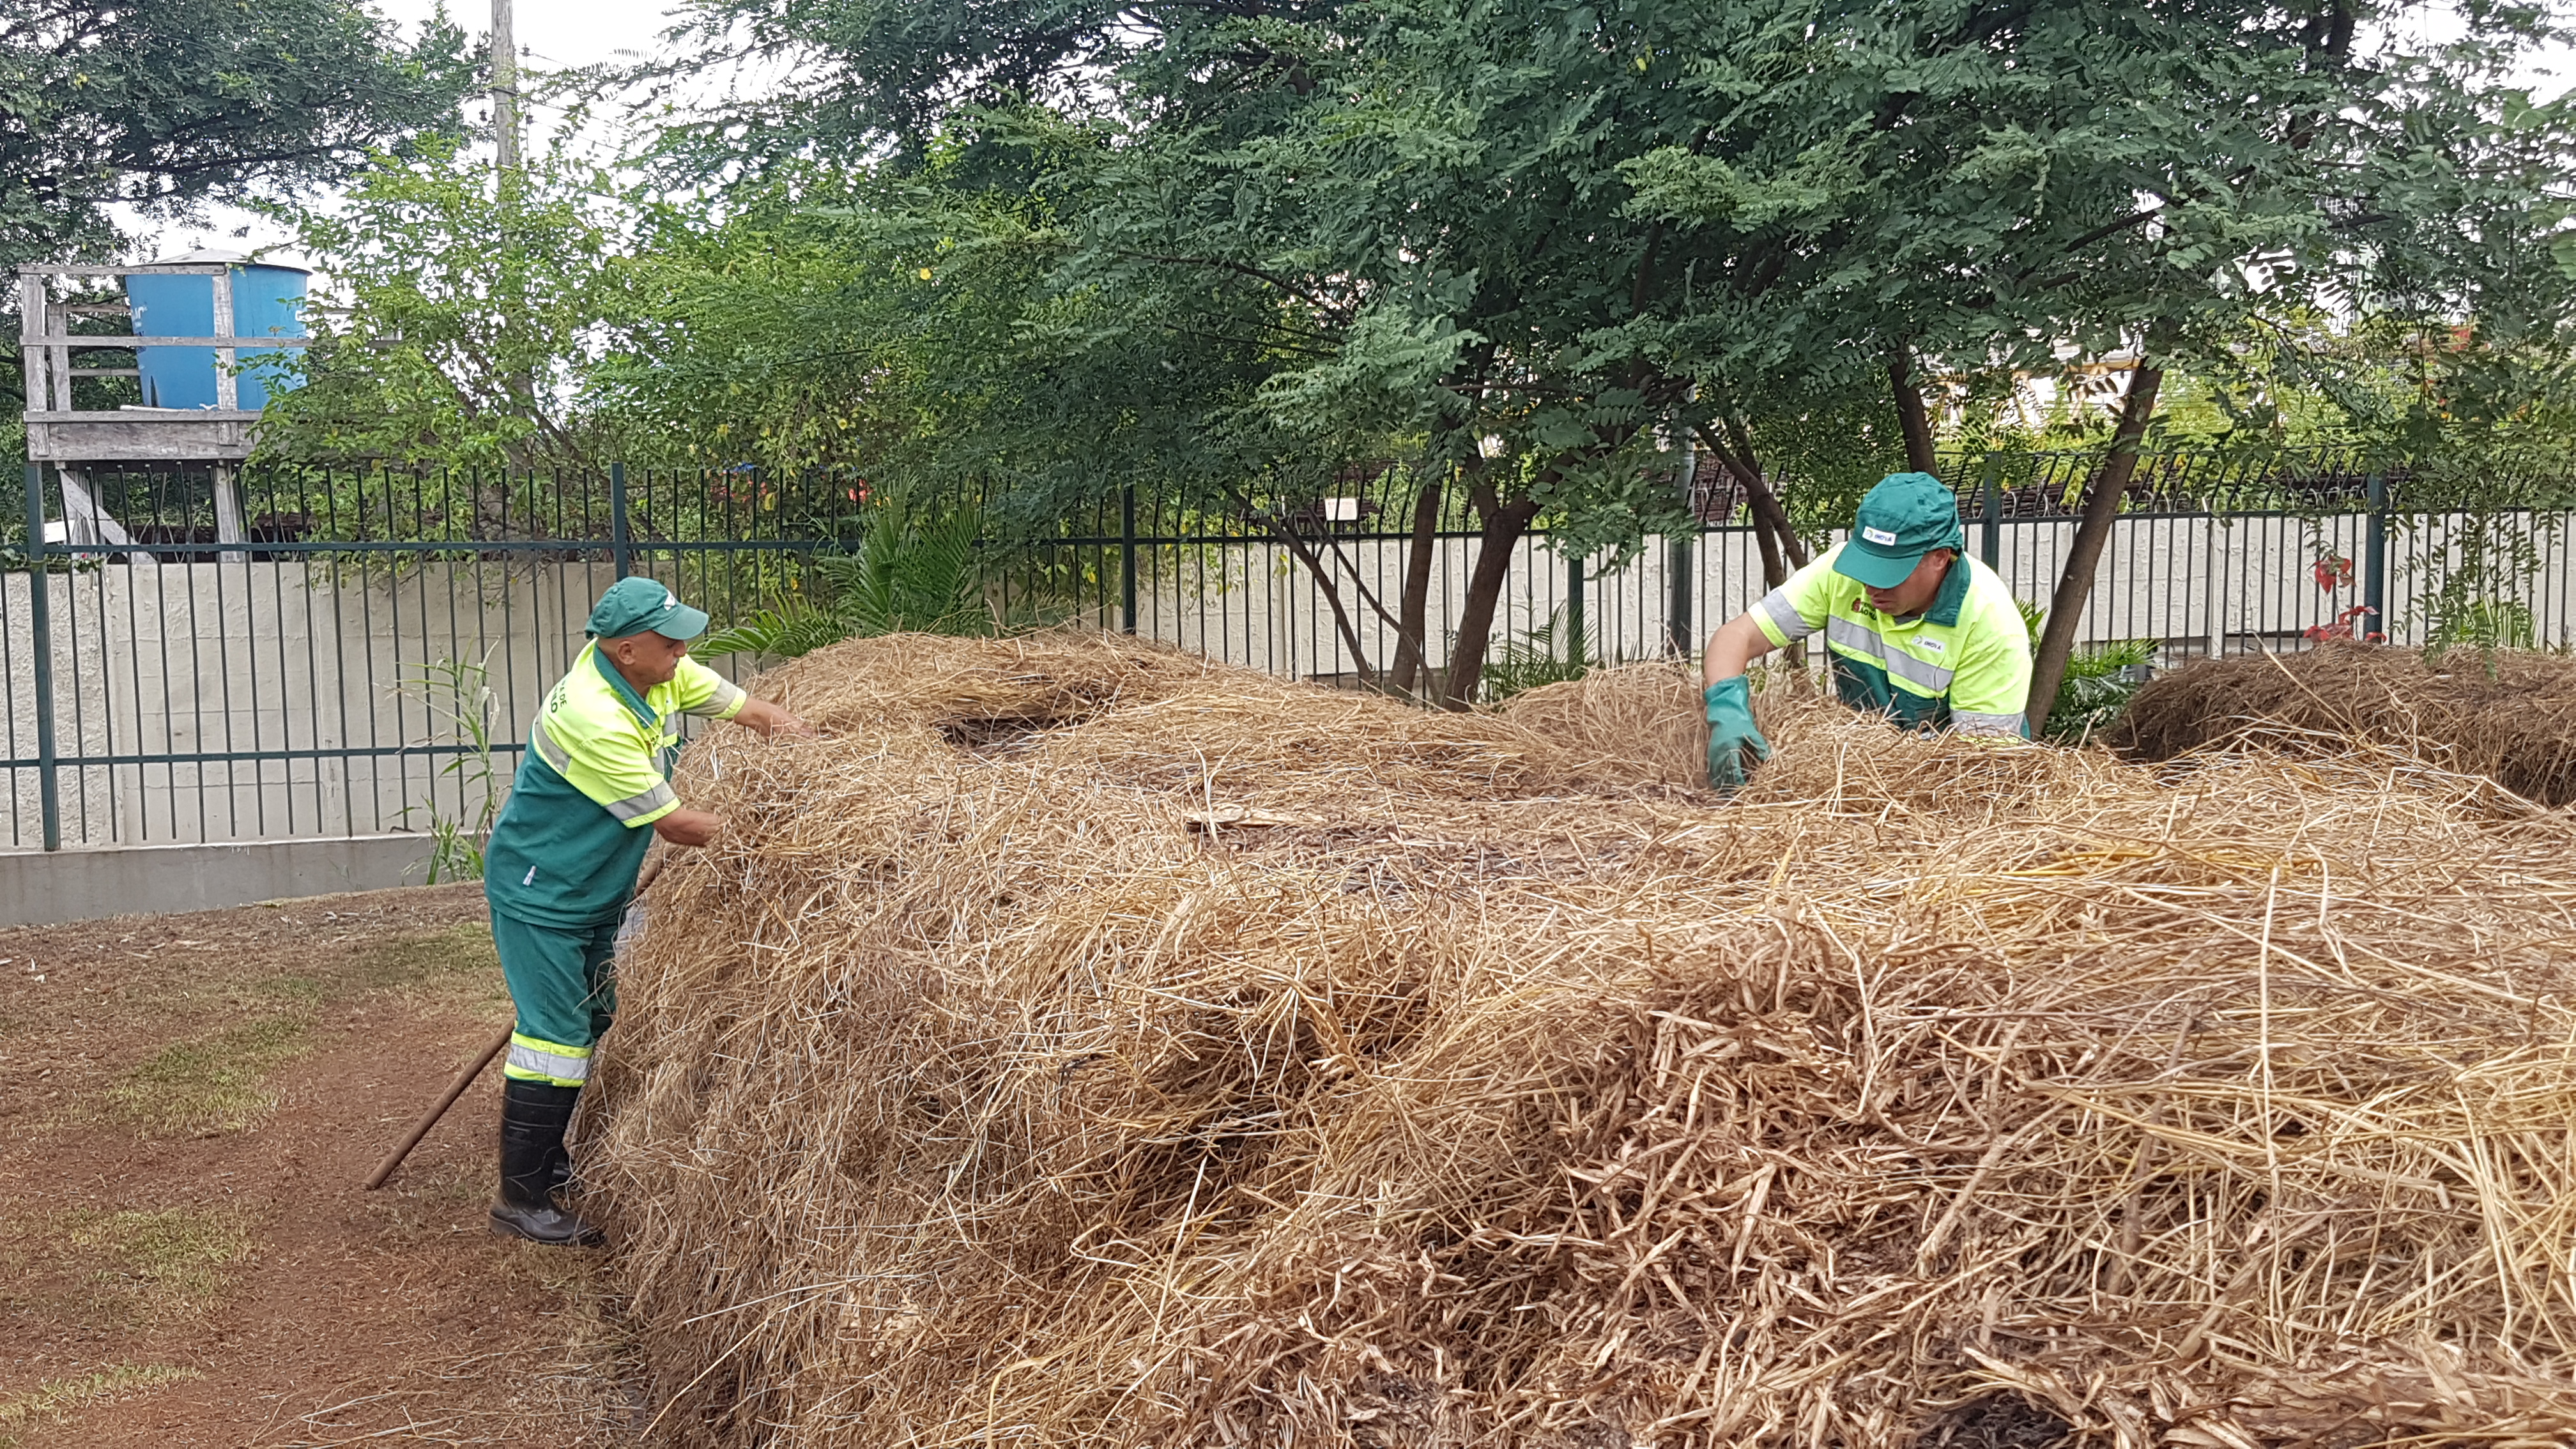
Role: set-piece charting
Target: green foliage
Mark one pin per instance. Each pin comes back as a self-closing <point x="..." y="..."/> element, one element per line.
<point x="1537" y="657"/>
<point x="165" y="106"/>
<point x="460" y="694"/>
<point x="475" y="313"/>
<point x="1530" y="243"/>
<point x="913" y="573"/>
<point x="2484" y="624"/>
<point x="1029" y="251"/>
<point x="2100" y="681"/>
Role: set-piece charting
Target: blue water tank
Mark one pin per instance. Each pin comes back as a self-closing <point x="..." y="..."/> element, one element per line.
<point x="268" y="301"/>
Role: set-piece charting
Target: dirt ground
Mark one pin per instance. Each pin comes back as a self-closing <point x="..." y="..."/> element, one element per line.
<point x="188" y="1105"/>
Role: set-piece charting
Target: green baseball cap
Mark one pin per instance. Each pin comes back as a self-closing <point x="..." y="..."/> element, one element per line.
<point x="1906" y="516"/>
<point x="633" y="606"/>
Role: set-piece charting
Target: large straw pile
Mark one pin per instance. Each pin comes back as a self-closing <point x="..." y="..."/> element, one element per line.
<point x="1091" y="1046"/>
<point x="2508" y="715"/>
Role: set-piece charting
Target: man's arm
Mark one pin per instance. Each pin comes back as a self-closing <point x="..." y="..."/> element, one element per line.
<point x="771" y="720"/>
<point x="696" y="827"/>
<point x="685" y="826"/>
<point x="709" y="695"/>
<point x="1990" y="690"/>
<point x="1784" y="616"/>
<point x="1738" y="642"/>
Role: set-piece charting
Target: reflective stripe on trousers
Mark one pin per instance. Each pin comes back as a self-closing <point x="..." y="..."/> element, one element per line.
<point x="552" y="1061"/>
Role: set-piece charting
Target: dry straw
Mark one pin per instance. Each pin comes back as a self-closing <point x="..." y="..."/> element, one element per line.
<point x="1087" y="1045"/>
<point x="2508" y="715"/>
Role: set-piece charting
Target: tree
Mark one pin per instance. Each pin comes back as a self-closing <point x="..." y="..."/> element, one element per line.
<point x="473" y="321"/>
<point x="164" y="106"/>
<point x="1522" y="243"/>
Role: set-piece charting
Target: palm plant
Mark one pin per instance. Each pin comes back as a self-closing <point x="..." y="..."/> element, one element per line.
<point x="912" y="573"/>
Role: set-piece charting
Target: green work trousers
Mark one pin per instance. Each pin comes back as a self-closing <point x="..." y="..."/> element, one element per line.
<point x="565" y="992"/>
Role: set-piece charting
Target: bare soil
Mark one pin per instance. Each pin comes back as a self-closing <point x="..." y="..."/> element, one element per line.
<point x="187" y="1107"/>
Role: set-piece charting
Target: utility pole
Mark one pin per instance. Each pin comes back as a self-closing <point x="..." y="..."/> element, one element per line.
<point x="505" y="92"/>
<point x="506" y="177"/>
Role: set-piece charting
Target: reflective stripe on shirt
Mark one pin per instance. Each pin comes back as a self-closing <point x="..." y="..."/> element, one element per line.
<point x="1863" y="640"/>
<point x="634" y="806"/>
<point x="545" y="746"/>
<point x="1986" y="724"/>
<point x="727" y="696"/>
<point x="1784" y="615"/>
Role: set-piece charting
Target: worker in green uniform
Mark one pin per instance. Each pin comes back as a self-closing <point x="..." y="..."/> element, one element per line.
<point x="560" y="867"/>
<point x="1914" y="629"/>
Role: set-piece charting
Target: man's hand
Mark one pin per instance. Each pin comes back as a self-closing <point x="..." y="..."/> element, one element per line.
<point x="689" y="827"/>
<point x="772" y="720"/>
<point x="1731" y="732"/>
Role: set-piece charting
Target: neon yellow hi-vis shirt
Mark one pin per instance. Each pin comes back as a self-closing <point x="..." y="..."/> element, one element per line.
<point x="1962" y="664"/>
<point x="566" y="848"/>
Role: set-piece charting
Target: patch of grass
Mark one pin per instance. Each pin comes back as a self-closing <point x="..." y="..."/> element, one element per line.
<point x="294" y="990"/>
<point x="167" y="1263"/>
<point x="451" y="970"/>
<point x="209" y="1084"/>
<point x="54" y="1400"/>
<point x="213" y="1084"/>
<point x="419" y="959"/>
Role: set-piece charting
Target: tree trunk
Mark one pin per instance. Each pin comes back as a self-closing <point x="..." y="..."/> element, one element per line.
<point x="1312" y="552"/>
<point x="2092" y="535"/>
<point x="1412" y="646"/>
<point x="1910" y="415"/>
<point x="1782" y="553"/>
<point x="1500" y="526"/>
<point x="1766" y="533"/>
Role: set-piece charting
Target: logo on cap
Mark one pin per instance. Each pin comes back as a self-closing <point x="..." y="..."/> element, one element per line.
<point x="1879" y="536"/>
<point x="672" y="601"/>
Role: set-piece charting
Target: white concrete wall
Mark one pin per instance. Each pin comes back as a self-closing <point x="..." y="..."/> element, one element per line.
<point x="283" y="659"/>
<point x="37" y="888"/>
<point x="2167" y="579"/>
<point x="290" y="658"/>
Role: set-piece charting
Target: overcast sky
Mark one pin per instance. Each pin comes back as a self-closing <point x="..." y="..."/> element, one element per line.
<point x="552" y="34"/>
<point x="555" y="32"/>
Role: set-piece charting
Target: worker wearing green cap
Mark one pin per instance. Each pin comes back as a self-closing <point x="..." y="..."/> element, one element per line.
<point x="1914" y="629"/>
<point x="561" y="864"/>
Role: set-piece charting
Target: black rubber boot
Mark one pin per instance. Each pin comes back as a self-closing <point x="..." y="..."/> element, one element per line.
<point x="534" y="1164"/>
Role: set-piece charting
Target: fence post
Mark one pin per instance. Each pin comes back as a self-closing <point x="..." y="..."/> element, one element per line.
<point x="40" y="619"/>
<point x="1990" y="516"/>
<point x="618" y="551"/>
<point x="2213" y="585"/>
<point x="1574" y="612"/>
<point x="2374" y="561"/>
<point x="1681" y="558"/>
<point x="1127" y="559"/>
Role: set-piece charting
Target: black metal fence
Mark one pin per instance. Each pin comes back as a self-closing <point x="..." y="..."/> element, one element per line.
<point x="193" y="655"/>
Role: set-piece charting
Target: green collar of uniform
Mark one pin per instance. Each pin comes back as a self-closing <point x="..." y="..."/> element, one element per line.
<point x="1954" y="593"/>
<point x="642" y="711"/>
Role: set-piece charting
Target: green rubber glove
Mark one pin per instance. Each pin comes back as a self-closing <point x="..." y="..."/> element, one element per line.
<point x="1731" y="732"/>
